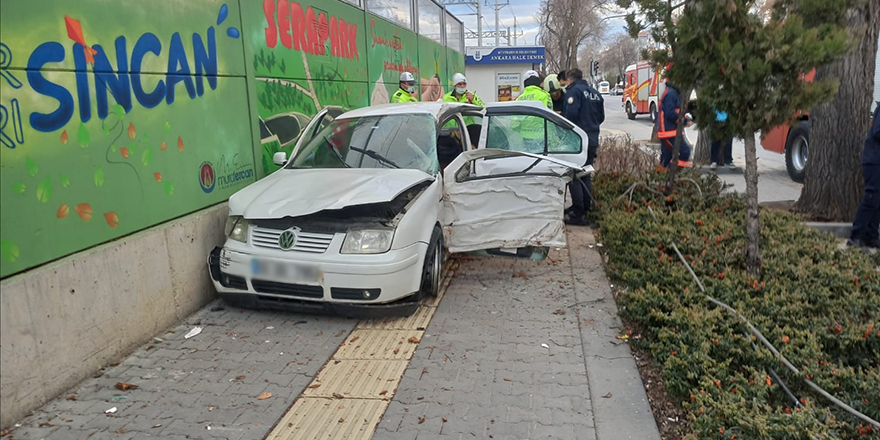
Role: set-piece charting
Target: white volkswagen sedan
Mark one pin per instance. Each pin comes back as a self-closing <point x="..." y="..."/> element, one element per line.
<point x="359" y="220"/>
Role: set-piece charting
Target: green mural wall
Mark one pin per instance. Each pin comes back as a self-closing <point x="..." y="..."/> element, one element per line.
<point x="115" y="117"/>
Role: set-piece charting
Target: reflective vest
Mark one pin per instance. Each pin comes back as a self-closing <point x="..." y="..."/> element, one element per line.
<point x="468" y="120"/>
<point x="402" y="97"/>
<point x="535" y="93"/>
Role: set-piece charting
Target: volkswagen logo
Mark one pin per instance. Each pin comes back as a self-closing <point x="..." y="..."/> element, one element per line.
<point x="287" y="239"/>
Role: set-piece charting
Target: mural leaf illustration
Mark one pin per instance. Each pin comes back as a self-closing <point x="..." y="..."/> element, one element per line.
<point x="19" y="187"/>
<point x="112" y="219"/>
<point x="167" y="127"/>
<point x="31" y="167"/>
<point x="132" y="147"/>
<point x="84" y="210"/>
<point x="44" y="190"/>
<point x="131" y="131"/>
<point x="83" y="136"/>
<point x="169" y="188"/>
<point x="124" y="152"/>
<point x="113" y="148"/>
<point x="9" y="251"/>
<point x="65" y="182"/>
<point x="63" y="210"/>
<point x="64" y="137"/>
<point x="164" y="146"/>
<point x="119" y="111"/>
<point x="224" y="11"/>
<point x="99" y="177"/>
<point x="158" y="176"/>
<point x="233" y="32"/>
<point x="147" y="157"/>
<point x="180" y="144"/>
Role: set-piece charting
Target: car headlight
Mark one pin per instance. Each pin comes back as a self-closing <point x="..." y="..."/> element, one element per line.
<point x="237" y="228"/>
<point x="367" y="241"/>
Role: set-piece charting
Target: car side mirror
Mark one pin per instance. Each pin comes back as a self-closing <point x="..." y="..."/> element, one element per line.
<point x="280" y="158"/>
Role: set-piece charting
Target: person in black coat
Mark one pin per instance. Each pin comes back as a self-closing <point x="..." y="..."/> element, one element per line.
<point x="866" y="226"/>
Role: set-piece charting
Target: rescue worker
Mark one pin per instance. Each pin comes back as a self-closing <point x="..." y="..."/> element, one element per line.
<point x="533" y="90"/>
<point x="585" y="107"/>
<point x="404" y="94"/>
<point x="461" y="94"/>
<point x="866" y="226"/>
<point x="670" y="109"/>
<point x="551" y="86"/>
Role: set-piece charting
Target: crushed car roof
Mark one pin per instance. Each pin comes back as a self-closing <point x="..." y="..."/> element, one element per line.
<point x="437" y="109"/>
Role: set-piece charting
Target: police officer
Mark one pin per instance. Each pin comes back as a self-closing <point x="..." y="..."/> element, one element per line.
<point x="552" y="86"/>
<point x="461" y="94"/>
<point x="404" y="94"/>
<point x="866" y="226"/>
<point x="584" y="107"/>
<point x="533" y="90"/>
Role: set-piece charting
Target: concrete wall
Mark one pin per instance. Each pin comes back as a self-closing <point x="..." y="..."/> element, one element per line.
<point x="64" y="321"/>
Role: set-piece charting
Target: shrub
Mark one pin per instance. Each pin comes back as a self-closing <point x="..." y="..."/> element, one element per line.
<point x="818" y="304"/>
<point x="621" y="155"/>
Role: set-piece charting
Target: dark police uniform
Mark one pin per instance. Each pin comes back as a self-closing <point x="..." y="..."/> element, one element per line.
<point x="866" y="226"/>
<point x="585" y="107"/>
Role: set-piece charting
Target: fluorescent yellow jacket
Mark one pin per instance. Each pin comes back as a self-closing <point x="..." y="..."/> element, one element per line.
<point x="402" y="97"/>
<point x="468" y="120"/>
<point x="535" y="93"/>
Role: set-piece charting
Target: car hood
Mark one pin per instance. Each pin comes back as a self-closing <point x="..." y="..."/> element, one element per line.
<point x="294" y="193"/>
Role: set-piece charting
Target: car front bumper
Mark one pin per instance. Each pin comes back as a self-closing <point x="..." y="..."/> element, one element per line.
<point x="391" y="279"/>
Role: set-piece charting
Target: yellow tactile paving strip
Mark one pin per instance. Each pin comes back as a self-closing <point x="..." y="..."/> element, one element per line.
<point x="328" y="419"/>
<point x="346" y="378"/>
<point x="417" y="321"/>
<point x="348" y="397"/>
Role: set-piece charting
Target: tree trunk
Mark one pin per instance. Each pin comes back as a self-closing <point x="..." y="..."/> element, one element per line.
<point x="753" y="223"/>
<point x="702" y="151"/>
<point x="833" y="177"/>
<point x="676" y="146"/>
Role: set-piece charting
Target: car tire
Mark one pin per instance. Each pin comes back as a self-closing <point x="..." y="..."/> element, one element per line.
<point x="432" y="269"/>
<point x="796" y="151"/>
<point x="653" y="112"/>
<point x="629" y="111"/>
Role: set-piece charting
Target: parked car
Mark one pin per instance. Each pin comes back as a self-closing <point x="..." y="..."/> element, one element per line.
<point x="360" y="219"/>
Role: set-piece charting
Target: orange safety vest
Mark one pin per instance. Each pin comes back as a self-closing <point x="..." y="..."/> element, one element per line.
<point x="667" y="137"/>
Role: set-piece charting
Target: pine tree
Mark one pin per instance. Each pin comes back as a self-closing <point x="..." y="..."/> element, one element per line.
<point x="750" y="66"/>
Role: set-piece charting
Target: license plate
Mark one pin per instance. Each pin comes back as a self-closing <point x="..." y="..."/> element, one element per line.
<point x="284" y="271"/>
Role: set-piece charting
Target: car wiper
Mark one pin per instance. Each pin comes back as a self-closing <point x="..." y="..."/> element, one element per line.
<point x="375" y="156"/>
<point x="336" y="153"/>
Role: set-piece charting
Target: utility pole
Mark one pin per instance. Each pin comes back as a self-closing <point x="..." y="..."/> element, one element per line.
<point x="479" y="23"/>
<point x="497" y="25"/>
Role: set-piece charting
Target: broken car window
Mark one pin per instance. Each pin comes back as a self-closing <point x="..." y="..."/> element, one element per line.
<point x="389" y="141"/>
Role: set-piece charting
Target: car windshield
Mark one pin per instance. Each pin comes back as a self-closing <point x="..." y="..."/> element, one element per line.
<point x="389" y="141"/>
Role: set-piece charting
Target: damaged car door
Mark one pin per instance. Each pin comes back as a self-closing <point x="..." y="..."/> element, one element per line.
<point x="505" y="210"/>
<point x="528" y="127"/>
<point x="323" y="118"/>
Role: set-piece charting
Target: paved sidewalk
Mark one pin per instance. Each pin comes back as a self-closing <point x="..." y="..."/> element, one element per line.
<point x="186" y="386"/>
<point x="515" y="350"/>
<point x="524" y="350"/>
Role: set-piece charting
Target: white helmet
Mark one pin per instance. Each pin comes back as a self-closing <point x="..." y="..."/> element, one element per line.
<point x="458" y="78"/>
<point x="531" y="74"/>
<point x="407" y="77"/>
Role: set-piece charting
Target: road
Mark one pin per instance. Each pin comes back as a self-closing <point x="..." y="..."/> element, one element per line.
<point x="773" y="181"/>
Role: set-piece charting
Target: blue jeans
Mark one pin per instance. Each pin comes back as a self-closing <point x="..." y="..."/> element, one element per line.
<point x="728" y="151"/>
<point x="866" y="225"/>
<point x="684" y="154"/>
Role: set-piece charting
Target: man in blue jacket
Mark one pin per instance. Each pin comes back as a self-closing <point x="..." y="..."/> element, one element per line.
<point x="584" y="107"/>
<point x="866" y="226"/>
<point x="670" y="109"/>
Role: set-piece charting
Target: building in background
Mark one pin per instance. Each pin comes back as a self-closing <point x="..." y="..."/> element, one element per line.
<point x="496" y="73"/>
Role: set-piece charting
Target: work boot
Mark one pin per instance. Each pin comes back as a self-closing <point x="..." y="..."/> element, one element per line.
<point x="713" y="166"/>
<point x="873" y="243"/>
<point x="576" y="220"/>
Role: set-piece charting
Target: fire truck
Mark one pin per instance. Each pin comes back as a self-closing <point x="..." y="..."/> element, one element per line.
<point x="794" y="140"/>
<point x="644" y="87"/>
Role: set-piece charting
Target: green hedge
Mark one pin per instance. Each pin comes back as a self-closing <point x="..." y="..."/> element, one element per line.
<point x="818" y="304"/>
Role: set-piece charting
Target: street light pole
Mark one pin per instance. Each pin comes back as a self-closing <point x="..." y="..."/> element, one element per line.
<point x="479" y="23"/>
<point x="497" y="26"/>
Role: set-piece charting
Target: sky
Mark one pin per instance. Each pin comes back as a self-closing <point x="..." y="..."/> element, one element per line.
<point x="525" y="12"/>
